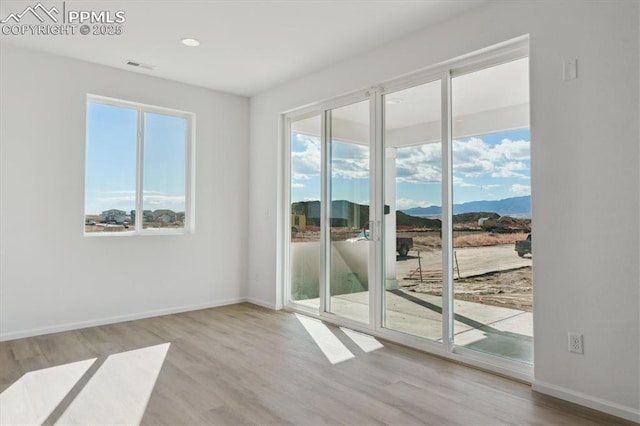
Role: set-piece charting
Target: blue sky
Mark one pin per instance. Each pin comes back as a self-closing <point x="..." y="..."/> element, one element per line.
<point x="112" y="156"/>
<point x="486" y="167"/>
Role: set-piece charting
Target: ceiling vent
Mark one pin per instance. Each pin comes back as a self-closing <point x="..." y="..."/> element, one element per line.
<point x="138" y="65"/>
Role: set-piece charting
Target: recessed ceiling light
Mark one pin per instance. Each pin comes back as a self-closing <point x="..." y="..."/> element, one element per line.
<point x="191" y="42"/>
<point x="393" y="101"/>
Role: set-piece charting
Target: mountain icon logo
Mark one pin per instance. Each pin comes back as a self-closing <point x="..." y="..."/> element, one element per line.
<point x="39" y="11"/>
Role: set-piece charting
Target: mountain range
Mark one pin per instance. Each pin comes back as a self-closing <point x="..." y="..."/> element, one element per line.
<point x="515" y="206"/>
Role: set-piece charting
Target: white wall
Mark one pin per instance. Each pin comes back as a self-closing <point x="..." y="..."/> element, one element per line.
<point x="51" y="276"/>
<point x="585" y="159"/>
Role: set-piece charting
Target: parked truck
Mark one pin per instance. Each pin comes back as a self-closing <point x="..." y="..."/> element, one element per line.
<point x="403" y="245"/>
<point x="523" y="246"/>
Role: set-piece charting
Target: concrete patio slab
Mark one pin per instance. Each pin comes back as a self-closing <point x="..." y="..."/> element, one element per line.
<point x="496" y="330"/>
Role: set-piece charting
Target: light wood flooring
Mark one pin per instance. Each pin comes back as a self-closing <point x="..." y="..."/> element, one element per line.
<point x="244" y="364"/>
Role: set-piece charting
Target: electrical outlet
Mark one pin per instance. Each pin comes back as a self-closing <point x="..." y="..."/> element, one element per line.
<point x="575" y="343"/>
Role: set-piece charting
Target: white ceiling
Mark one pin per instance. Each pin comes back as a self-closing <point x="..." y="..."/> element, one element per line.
<point x="247" y="46"/>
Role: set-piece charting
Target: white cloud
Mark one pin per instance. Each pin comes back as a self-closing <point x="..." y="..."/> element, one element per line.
<point x="349" y="168"/>
<point x="491" y="186"/>
<point x="472" y="158"/>
<point x="511" y="169"/>
<point x="518" y="189"/>
<point x="349" y="161"/>
<point x="118" y="193"/>
<point x="420" y="174"/>
<point x="515" y="165"/>
<point x="306" y="164"/>
<point x="297" y="185"/>
<point x="470" y="150"/>
<point x="457" y="181"/>
<point x="474" y="168"/>
<point x="430" y="153"/>
<point x="513" y="150"/>
<point x="419" y="164"/>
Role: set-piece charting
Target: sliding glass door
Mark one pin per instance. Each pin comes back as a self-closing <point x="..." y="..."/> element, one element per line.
<point x="410" y="210"/>
<point x="304" y="224"/>
<point x="413" y="214"/>
<point x="491" y="166"/>
<point x="348" y="212"/>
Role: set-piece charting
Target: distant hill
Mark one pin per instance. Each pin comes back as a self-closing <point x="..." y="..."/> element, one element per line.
<point x="403" y="219"/>
<point x="473" y="217"/>
<point x="346" y="213"/>
<point x="520" y="206"/>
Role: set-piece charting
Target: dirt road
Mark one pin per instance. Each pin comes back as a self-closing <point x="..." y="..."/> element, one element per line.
<point x="471" y="261"/>
<point x="492" y="275"/>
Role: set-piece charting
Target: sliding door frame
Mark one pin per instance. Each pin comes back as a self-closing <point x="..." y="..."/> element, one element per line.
<point x="496" y="55"/>
<point x="326" y="202"/>
<point x="447" y="246"/>
<point x="288" y="303"/>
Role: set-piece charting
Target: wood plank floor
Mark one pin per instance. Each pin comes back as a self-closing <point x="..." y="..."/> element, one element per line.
<point x="243" y="364"/>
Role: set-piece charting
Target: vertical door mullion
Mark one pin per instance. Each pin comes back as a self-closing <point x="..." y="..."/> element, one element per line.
<point x="447" y="211"/>
<point x="376" y="200"/>
<point x="139" y="172"/>
<point x="325" y="205"/>
<point x="286" y="196"/>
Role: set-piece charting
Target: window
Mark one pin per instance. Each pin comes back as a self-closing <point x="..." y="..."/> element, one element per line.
<point x="138" y="169"/>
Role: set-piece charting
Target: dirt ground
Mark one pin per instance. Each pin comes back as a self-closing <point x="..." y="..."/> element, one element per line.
<point x="508" y="289"/>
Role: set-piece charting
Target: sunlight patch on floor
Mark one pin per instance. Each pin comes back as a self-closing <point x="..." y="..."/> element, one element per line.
<point x="364" y="341"/>
<point x="33" y="397"/>
<point x="329" y="344"/>
<point x="116" y="394"/>
<point x="119" y="391"/>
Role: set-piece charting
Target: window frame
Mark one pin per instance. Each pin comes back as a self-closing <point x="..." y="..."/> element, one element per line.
<point x="141" y="109"/>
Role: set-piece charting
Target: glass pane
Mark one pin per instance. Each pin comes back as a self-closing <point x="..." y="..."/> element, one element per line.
<point x="164" y="171"/>
<point x="492" y="211"/>
<point x="305" y="212"/>
<point x="348" y="163"/>
<point x="413" y="210"/>
<point x="111" y="152"/>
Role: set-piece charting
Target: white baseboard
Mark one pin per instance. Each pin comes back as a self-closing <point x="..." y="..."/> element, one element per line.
<point x="264" y="304"/>
<point x="627" y="413"/>
<point x="112" y="320"/>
